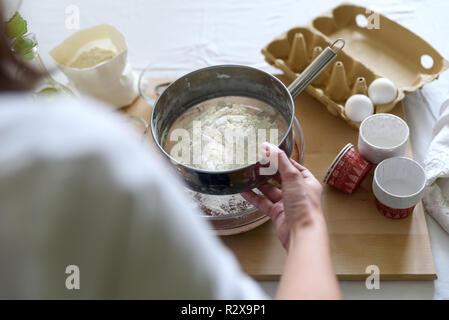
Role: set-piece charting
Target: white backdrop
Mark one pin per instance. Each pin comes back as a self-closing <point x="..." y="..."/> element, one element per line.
<point x="184" y="35"/>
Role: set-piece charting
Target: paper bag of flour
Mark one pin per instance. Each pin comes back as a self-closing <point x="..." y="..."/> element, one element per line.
<point x="95" y="61"/>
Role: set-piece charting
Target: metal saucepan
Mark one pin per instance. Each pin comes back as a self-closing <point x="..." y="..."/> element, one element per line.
<point x="232" y="80"/>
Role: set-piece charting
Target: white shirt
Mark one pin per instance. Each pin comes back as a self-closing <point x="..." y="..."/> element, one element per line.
<point x="78" y="188"/>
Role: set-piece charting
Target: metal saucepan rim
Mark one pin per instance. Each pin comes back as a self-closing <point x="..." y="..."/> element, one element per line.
<point x="222" y="171"/>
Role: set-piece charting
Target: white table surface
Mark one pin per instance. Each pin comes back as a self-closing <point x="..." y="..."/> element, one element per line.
<point x="179" y="36"/>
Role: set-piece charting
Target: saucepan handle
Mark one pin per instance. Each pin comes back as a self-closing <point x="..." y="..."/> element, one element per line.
<point x="316" y="67"/>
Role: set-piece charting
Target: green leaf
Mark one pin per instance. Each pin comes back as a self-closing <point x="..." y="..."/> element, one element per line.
<point x="28" y="56"/>
<point x="16" y="26"/>
<point x="22" y="45"/>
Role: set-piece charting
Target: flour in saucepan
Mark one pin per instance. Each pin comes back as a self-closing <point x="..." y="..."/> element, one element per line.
<point x="214" y="118"/>
<point x="215" y="122"/>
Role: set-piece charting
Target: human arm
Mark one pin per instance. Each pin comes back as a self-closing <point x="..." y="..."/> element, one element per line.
<point x="295" y="209"/>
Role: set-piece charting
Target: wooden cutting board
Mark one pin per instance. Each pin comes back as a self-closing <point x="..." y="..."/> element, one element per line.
<point x="359" y="235"/>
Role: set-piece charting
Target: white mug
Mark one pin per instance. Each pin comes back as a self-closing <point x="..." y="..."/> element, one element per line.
<point x="383" y="136"/>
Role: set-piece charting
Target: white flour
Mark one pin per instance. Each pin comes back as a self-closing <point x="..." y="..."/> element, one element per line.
<point x="92" y="57"/>
<point x="215" y="118"/>
<point x="93" y="53"/>
<point x="214" y="123"/>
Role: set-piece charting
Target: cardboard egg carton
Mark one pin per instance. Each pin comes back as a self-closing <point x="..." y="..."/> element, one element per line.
<point x="376" y="47"/>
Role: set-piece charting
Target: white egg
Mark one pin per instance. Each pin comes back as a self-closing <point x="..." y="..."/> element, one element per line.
<point x="382" y="91"/>
<point x="358" y="107"/>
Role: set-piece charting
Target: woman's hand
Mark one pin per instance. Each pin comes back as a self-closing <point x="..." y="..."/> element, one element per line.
<point x="296" y="212"/>
<point x="298" y="202"/>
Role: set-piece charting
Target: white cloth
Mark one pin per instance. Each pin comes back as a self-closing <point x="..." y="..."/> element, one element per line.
<point x="422" y="108"/>
<point x="77" y="188"/>
<point x="436" y="163"/>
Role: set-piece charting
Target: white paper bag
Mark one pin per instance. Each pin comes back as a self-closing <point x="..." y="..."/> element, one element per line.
<point x="95" y="61"/>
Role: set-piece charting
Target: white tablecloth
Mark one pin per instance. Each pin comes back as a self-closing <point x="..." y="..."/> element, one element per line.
<point x="182" y="35"/>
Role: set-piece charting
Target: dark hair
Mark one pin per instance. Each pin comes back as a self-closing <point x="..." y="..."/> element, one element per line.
<point x="10" y="63"/>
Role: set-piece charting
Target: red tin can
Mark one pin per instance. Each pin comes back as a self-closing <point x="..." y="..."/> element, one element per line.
<point x="348" y="170"/>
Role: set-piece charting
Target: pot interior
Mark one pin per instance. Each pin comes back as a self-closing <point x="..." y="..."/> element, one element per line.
<point x="221" y="85"/>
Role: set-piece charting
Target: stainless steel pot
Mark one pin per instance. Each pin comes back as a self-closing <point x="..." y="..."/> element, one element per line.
<point x="231" y="80"/>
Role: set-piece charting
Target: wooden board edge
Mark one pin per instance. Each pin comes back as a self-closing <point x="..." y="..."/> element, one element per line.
<point x="434" y="272"/>
<point x="362" y="277"/>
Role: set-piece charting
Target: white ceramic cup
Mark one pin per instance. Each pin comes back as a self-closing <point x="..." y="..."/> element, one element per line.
<point x="399" y="183"/>
<point x="382" y="136"/>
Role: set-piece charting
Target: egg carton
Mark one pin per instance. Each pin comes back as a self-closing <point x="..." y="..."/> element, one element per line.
<point x="376" y="47"/>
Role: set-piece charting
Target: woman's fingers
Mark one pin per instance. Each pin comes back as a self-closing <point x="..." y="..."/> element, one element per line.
<point x="277" y="178"/>
<point x="305" y="172"/>
<point x="271" y="192"/>
<point x="286" y="168"/>
<point x="263" y="204"/>
<point x="297" y="165"/>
